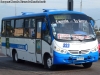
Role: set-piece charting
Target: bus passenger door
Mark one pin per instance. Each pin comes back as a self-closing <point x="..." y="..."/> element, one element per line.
<point x="38" y="41"/>
<point x="7" y="40"/>
<point x="7" y="47"/>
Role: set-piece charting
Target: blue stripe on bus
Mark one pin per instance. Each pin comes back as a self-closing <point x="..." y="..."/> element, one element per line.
<point x="18" y="46"/>
<point x="3" y="44"/>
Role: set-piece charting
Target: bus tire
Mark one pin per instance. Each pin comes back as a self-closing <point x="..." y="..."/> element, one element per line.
<point x="48" y="63"/>
<point x="15" y="57"/>
<point x="87" y="65"/>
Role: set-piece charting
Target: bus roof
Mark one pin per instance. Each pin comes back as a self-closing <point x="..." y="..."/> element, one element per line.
<point x="45" y="12"/>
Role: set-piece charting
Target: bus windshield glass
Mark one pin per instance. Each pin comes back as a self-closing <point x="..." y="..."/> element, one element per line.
<point x="71" y="27"/>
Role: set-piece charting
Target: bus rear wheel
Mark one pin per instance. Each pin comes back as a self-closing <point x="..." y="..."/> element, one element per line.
<point x="87" y="65"/>
<point x="15" y="57"/>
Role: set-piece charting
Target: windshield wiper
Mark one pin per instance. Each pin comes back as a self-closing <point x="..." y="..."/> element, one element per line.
<point x="77" y="38"/>
<point x="92" y="36"/>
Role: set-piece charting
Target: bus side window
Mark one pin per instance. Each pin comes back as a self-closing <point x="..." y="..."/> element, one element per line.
<point x="26" y="28"/>
<point x="46" y="34"/>
<point x="39" y="24"/>
<point x="12" y="28"/>
<point x="29" y="28"/>
<point x="18" y="31"/>
<point x="32" y="28"/>
<point x="8" y="28"/>
<point x="3" y="31"/>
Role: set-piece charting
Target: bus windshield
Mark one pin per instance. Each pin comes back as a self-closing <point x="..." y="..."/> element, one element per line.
<point x="71" y="27"/>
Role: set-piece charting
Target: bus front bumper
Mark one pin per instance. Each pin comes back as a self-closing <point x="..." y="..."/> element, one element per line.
<point x="74" y="59"/>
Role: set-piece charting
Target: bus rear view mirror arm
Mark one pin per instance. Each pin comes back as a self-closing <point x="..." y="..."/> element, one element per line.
<point x="43" y="26"/>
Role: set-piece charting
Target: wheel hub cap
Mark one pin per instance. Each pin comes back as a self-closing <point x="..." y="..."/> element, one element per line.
<point x="49" y="63"/>
<point x="16" y="57"/>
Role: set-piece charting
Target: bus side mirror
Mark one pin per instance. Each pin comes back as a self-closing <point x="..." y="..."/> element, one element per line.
<point x="43" y="26"/>
<point x="92" y="23"/>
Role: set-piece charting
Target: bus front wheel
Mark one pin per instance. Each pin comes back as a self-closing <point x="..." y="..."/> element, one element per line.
<point x="87" y="65"/>
<point x="48" y="63"/>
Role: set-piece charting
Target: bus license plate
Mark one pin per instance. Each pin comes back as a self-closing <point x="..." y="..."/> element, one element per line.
<point x="80" y="58"/>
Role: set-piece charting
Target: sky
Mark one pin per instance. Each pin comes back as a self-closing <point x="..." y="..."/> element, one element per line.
<point x="89" y="7"/>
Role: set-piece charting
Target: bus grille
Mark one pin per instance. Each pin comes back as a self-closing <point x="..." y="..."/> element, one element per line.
<point x="78" y="51"/>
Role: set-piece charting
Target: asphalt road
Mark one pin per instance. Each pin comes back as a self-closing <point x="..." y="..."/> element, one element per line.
<point x="8" y="67"/>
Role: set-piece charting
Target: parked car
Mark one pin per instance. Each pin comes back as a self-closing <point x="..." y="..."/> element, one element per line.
<point x="99" y="48"/>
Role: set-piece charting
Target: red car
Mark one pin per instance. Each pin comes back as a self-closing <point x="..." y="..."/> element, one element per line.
<point x="99" y="48"/>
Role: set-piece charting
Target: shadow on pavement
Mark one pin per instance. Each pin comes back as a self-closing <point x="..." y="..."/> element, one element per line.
<point x="7" y="63"/>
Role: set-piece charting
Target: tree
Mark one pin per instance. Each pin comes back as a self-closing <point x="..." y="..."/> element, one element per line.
<point x="99" y="28"/>
<point x="98" y="33"/>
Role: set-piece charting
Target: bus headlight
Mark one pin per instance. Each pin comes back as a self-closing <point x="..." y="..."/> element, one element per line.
<point x="57" y="49"/>
<point x="94" y="49"/>
<point x="60" y="50"/>
<point x="64" y="51"/>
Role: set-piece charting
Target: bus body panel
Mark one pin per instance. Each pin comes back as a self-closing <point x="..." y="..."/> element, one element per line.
<point x="3" y="48"/>
<point x="19" y="44"/>
<point x="46" y="48"/>
<point x="70" y="57"/>
<point x="24" y="47"/>
<point x="34" y="49"/>
<point x="76" y="45"/>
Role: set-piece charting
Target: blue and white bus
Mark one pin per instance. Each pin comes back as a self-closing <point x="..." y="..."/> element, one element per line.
<point x="52" y="37"/>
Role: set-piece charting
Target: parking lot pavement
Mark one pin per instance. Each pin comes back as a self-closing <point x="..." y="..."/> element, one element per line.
<point x="1" y="53"/>
<point x="8" y="67"/>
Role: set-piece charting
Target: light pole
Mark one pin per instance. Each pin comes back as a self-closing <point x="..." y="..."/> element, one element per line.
<point x="15" y="9"/>
<point x="70" y="5"/>
<point x="81" y="6"/>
